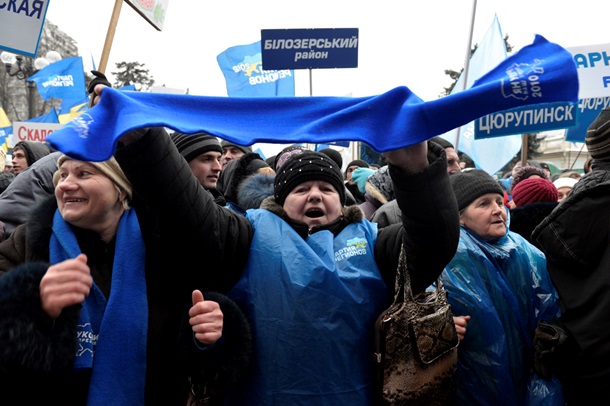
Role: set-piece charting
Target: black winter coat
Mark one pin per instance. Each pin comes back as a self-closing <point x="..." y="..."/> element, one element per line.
<point x="575" y="238"/>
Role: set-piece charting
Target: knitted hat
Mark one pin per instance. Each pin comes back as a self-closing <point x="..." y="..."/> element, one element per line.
<point x="244" y="149"/>
<point x="565" y="182"/>
<point x="442" y="142"/>
<point x="286" y="153"/>
<point x="334" y="155"/>
<point x="598" y="136"/>
<point x="356" y="162"/>
<point x="109" y="168"/>
<point x="191" y="146"/>
<point x="526" y="172"/>
<point x="470" y="185"/>
<point x="534" y="190"/>
<point x="305" y="167"/>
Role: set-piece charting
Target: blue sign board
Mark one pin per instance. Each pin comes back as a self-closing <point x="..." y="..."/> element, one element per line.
<point x="588" y="110"/>
<point x="527" y="120"/>
<point x="309" y="48"/>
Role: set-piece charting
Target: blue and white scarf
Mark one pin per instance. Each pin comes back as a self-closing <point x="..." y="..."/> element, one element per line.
<point x="542" y="72"/>
<point x="112" y="335"/>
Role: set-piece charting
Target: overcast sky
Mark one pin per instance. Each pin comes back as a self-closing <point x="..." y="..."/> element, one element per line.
<point x="407" y="43"/>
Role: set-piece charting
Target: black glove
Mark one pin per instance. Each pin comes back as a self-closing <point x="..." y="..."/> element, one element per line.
<point x="549" y="338"/>
<point x="99" y="79"/>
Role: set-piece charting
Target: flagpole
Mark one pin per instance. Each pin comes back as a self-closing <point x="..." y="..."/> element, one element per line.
<point x="110" y="35"/>
<point x="466" y="65"/>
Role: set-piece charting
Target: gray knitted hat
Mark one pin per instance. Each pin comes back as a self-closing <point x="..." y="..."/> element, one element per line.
<point x="193" y="145"/>
<point x="598" y="136"/>
<point x="470" y="185"/>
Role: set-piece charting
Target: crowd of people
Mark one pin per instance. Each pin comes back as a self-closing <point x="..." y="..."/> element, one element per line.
<point x="187" y="268"/>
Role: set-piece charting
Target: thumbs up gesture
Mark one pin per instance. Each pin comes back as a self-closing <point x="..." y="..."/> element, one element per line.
<point x="206" y="319"/>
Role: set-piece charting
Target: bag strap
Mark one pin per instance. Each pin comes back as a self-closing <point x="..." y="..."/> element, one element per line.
<point x="402" y="287"/>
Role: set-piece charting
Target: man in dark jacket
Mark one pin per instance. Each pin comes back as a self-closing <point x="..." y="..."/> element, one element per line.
<point x="25" y="153"/>
<point x="574" y="238"/>
<point x="202" y="151"/>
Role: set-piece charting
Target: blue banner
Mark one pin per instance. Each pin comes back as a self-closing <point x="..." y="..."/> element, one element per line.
<point x="588" y="110"/>
<point x="64" y="79"/>
<point x="525" y="120"/>
<point x="242" y="67"/>
<point x="310" y="48"/>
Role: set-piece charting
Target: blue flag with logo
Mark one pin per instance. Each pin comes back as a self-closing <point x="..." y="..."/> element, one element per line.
<point x="392" y="120"/>
<point x="489" y="154"/>
<point x="242" y="67"/>
<point x="64" y="79"/>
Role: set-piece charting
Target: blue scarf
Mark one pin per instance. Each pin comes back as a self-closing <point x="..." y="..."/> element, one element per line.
<point x="112" y="335"/>
<point x="539" y="73"/>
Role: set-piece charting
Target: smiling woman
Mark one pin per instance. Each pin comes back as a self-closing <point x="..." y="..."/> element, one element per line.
<point x="499" y="279"/>
<point x="87" y="270"/>
<point x="92" y="195"/>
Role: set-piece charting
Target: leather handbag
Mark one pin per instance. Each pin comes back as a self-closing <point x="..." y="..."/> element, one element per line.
<point x="416" y="346"/>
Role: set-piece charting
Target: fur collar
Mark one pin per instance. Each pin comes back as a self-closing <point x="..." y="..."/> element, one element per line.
<point x="254" y="189"/>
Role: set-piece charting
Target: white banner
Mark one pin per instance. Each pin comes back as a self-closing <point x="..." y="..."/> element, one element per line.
<point x="153" y="11"/>
<point x="593" y="62"/>
<point x="32" y="131"/>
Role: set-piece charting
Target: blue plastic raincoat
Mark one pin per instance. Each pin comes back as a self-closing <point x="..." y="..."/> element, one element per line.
<point x="504" y="286"/>
<point x="312" y="305"/>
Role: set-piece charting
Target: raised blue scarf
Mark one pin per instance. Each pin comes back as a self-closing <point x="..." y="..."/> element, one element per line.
<point x="112" y="336"/>
<point x="542" y="72"/>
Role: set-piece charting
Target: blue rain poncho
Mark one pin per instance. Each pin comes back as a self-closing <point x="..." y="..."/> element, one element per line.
<point x="504" y="286"/>
<point x="312" y="306"/>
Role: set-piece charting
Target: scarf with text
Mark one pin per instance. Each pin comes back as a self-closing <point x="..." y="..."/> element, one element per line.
<point x="542" y="72"/>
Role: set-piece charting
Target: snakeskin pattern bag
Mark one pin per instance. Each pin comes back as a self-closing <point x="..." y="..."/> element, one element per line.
<point x="416" y="346"/>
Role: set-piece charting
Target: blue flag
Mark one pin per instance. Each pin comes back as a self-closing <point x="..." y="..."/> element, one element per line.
<point x="5" y="132"/>
<point x="64" y="79"/>
<point x="242" y="67"/>
<point x="50" y="117"/>
<point x="392" y="120"/>
<point x="491" y="154"/>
